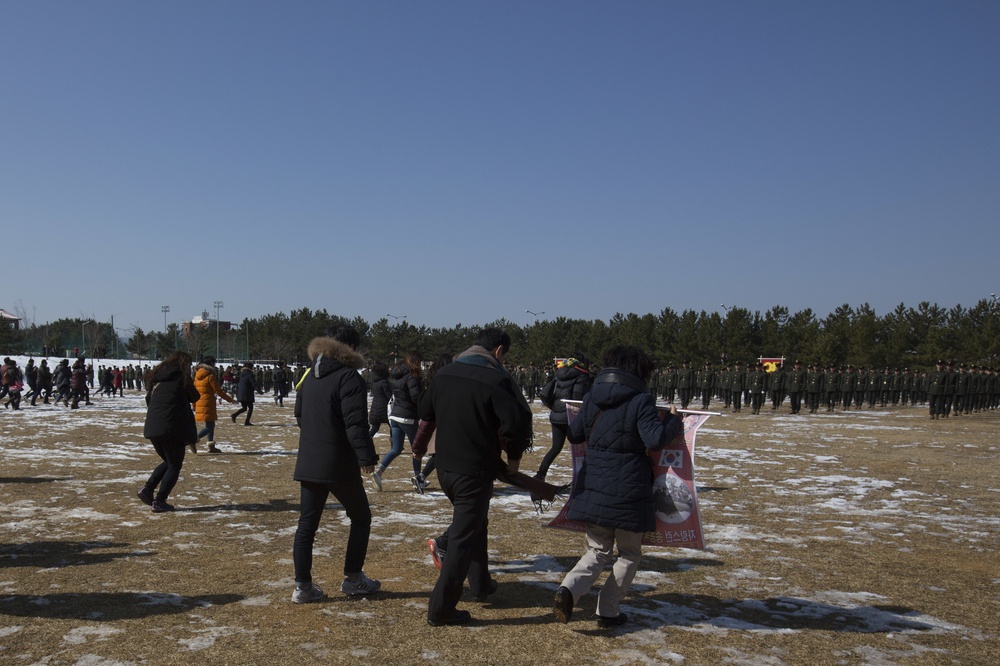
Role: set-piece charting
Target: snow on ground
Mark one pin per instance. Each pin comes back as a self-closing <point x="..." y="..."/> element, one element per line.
<point x="873" y="507"/>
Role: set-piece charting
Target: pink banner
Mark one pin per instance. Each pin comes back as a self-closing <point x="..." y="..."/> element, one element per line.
<point x="678" y="521"/>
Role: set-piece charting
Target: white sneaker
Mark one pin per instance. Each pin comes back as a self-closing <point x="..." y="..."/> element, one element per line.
<point x="360" y="585"/>
<point x="377" y="480"/>
<point x="305" y="595"/>
<point x="418" y="483"/>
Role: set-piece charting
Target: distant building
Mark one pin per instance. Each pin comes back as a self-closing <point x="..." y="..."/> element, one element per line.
<point x="204" y="321"/>
<point x="9" y="318"/>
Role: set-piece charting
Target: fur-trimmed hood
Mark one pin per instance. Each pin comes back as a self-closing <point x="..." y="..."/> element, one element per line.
<point x="328" y="354"/>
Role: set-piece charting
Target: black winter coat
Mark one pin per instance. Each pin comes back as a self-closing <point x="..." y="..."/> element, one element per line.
<point x="168" y="406"/>
<point x="478" y="411"/>
<point x="247" y="388"/>
<point x="405" y="392"/>
<point x="381" y="392"/>
<point x="614" y="487"/>
<point x="570" y="383"/>
<point x="331" y="406"/>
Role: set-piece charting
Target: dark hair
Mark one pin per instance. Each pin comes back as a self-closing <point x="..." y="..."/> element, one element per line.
<point x="179" y="359"/>
<point x="441" y="361"/>
<point x="346" y="334"/>
<point x="630" y="359"/>
<point x="379" y="369"/>
<point x="491" y="338"/>
<point x="208" y="360"/>
<point x="414" y="363"/>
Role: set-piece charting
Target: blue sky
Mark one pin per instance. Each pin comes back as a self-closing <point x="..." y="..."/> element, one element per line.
<point x="459" y="162"/>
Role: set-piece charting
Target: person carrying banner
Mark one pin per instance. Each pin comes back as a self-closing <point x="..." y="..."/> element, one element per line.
<point x="613" y="492"/>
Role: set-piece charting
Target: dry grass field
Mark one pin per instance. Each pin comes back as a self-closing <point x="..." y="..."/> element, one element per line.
<point x="847" y="538"/>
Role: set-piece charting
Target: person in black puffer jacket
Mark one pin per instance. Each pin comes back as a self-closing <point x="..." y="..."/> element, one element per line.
<point x="613" y="491"/>
<point x="406" y="380"/>
<point x="571" y="382"/>
<point x="170" y="425"/>
<point x="331" y="407"/>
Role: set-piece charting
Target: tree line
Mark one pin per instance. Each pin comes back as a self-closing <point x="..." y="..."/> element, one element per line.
<point x="906" y="337"/>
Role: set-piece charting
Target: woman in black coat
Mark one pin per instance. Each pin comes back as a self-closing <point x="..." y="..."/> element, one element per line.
<point x="571" y="382"/>
<point x="334" y="450"/>
<point x="406" y="380"/>
<point x="170" y="425"/>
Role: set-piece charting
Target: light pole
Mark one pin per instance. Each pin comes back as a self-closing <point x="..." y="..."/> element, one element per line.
<point x="165" y="309"/>
<point x="396" y="317"/>
<point x="725" y="307"/>
<point x="535" y="314"/>
<point x="218" y="306"/>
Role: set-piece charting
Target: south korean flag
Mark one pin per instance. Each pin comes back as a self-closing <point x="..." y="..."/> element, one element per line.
<point x="672" y="458"/>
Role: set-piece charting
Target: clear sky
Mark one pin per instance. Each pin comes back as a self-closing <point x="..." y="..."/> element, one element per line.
<point x="459" y="162"/>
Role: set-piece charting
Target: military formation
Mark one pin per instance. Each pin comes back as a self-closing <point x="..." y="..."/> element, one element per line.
<point x="949" y="389"/>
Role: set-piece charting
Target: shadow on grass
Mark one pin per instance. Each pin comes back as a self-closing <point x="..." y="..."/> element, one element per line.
<point x="107" y="606"/>
<point x="58" y="554"/>
<point x="33" y="479"/>
<point x="276" y="505"/>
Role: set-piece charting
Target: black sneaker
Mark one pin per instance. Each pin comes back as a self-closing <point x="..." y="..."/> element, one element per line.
<point x="160" y="506"/>
<point x="563" y="607"/>
<point x="610" y="622"/>
<point x="459" y="617"/>
<point x="146" y="495"/>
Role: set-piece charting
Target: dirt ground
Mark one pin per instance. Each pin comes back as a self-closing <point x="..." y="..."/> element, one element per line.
<point x="847" y="538"/>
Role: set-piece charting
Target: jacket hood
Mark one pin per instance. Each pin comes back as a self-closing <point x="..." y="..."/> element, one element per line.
<point x="202" y="370"/>
<point x="329" y="354"/>
<point x="166" y="373"/>
<point x="613" y="387"/>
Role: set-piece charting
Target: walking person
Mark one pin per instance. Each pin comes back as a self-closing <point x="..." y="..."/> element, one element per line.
<point x="419" y="478"/>
<point x="246" y="391"/>
<point x="381" y="394"/>
<point x="406" y="380"/>
<point x="44" y="383"/>
<point x="571" y="382"/>
<point x="207" y="383"/>
<point x="478" y="414"/>
<point x="335" y="449"/>
<point x="169" y="426"/>
<point x="613" y="492"/>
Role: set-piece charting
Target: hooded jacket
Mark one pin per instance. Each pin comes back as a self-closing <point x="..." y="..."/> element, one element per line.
<point x="168" y="413"/>
<point x="620" y="423"/>
<point x="571" y="382"/>
<point x="331" y="407"/>
<point x="208" y="387"/>
<point x="246" y="391"/>
<point x="405" y="392"/>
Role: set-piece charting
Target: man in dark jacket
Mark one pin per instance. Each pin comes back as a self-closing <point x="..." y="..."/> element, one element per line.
<point x="331" y="407"/>
<point x="477" y="412"/>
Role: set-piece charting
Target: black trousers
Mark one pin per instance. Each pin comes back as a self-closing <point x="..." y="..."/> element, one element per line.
<point x="467" y="535"/>
<point x="351" y="495"/>
<point x="245" y="407"/>
<point x="171" y="451"/>
<point x="796" y="399"/>
<point x="559" y="431"/>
